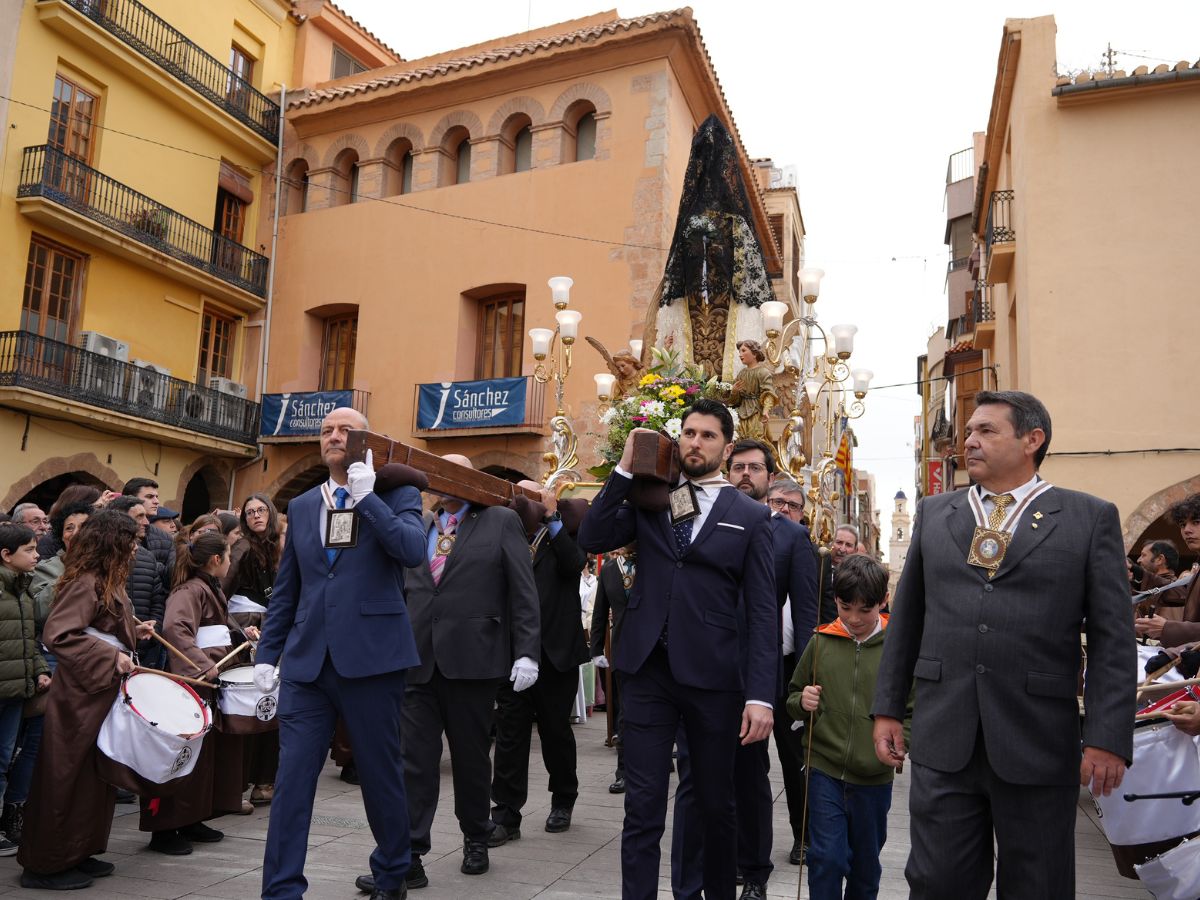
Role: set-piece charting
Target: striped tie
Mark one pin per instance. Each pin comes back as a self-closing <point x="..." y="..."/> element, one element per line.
<point x="438" y="563"/>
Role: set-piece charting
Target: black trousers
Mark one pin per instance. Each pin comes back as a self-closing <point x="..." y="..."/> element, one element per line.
<point x="789" y="746"/>
<point x="655" y="707"/>
<point x="462" y="709"/>
<point x="953" y="817"/>
<point x="549" y="702"/>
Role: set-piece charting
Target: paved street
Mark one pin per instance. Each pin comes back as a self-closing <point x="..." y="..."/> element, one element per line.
<point x="583" y="862"/>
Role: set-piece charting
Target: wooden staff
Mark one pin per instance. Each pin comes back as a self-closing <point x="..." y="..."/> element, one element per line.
<point x="1167" y="685"/>
<point x="812" y="717"/>
<point x="162" y="640"/>
<point x="444" y="476"/>
<point x="195" y="681"/>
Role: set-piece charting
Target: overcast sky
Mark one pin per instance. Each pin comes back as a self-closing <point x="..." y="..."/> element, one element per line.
<point x="867" y="101"/>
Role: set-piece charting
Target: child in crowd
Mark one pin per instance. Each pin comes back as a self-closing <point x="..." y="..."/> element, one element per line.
<point x="23" y="670"/>
<point x="850" y="790"/>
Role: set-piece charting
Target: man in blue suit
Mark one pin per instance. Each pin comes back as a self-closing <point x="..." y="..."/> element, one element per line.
<point x="680" y="648"/>
<point x="339" y="620"/>
<point x="751" y="471"/>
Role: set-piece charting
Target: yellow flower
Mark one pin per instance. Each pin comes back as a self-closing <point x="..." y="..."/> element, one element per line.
<point x="649" y="379"/>
<point x="671" y="392"/>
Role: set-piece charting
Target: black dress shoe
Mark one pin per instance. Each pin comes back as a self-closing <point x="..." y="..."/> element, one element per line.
<point x="475" y="857"/>
<point x="70" y="880"/>
<point x="752" y="890"/>
<point x="796" y="857"/>
<point x="500" y="835"/>
<point x="199" y="833"/>
<point x="350" y="773"/>
<point x="559" y="819"/>
<point x="618" y="785"/>
<point x="365" y="883"/>
<point x="395" y="894"/>
<point x="415" y="878"/>
<point x="95" y="868"/>
<point x="170" y="842"/>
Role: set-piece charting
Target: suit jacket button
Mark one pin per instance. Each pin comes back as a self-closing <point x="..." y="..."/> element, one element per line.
<point x="330" y="574"/>
<point x="981" y="669"/>
<point x="987" y="588"/>
<point x="983" y="629"/>
<point x="679" y="565"/>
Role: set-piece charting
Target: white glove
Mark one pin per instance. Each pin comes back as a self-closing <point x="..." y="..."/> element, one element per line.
<point x="600" y="662"/>
<point x="264" y="677"/>
<point x="524" y="674"/>
<point x="360" y="478"/>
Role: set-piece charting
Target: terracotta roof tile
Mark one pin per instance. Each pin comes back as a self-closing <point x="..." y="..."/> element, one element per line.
<point x="961" y="347"/>
<point x="484" y="57"/>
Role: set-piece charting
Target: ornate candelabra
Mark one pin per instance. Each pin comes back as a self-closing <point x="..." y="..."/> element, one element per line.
<point x="556" y="345"/>
<point x="823" y="381"/>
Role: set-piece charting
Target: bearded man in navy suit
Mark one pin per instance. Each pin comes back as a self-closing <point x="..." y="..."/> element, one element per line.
<point x="705" y="593"/>
<point x="340" y="624"/>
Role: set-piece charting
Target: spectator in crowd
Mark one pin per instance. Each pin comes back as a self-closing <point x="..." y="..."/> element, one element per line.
<point x="71" y="495"/>
<point x="166" y="520"/>
<point x="65" y="523"/>
<point x="615" y="581"/>
<point x="231" y="526"/>
<point x="31" y="516"/>
<point x="145" y="586"/>
<point x="161" y="544"/>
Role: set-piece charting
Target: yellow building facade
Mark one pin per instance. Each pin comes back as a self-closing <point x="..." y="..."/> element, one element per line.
<point x="1081" y="291"/>
<point x="136" y="195"/>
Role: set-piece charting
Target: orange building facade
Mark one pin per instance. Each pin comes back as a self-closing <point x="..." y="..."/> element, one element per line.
<point x="428" y="202"/>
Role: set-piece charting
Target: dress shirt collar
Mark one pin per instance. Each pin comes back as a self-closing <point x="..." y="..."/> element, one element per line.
<point x="1018" y="493"/>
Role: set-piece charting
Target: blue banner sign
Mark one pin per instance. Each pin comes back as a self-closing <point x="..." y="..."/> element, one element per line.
<point x="294" y="415"/>
<point x="471" y="404"/>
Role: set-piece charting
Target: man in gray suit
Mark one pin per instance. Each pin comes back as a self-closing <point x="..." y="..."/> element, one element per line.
<point x="474" y="611"/>
<point x="998" y="581"/>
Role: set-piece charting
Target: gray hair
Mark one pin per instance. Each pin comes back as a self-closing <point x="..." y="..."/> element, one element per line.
<point x="786" y="485"/>
<point x="21" y="508"/>
<point x="1025" y="411"/>
<point x="850" y="528"/>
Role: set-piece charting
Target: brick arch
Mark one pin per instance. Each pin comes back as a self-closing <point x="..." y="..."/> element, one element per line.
<point x="467" y="120"/>
<point x="581" y="90"/>
<point x="305" y="152"/>
<point x="530" y="463"/>
<point x="1152" y="508"/>
<point x="347" y="141"/>
<point x="410" y="133"/>
<point x="214" y="479"/>
<point x="285" y="486"/>
<point x="527" y="105"/>
<point x="61" y="465"/>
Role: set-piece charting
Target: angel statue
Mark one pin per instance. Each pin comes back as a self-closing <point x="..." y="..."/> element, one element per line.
<point x="624" y="365"/>
<point x="753" y="391"/>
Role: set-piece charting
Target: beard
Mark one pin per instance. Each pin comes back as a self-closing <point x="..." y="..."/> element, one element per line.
<point x="696" y="466"/>
<point x="751" y="490"/>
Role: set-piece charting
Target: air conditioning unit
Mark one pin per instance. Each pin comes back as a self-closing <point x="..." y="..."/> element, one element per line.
<point x="194" y="405"/>
<point x="95" y="342"/>
<point x="227" y="386"/>
<point x="148" y="386"/>
<point x="100" y="379"/>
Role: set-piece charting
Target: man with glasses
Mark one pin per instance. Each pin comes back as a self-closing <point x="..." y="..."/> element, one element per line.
<point x="31" y="516"/>
<point x="787" y="498"/>
<point x="752" y="471"/>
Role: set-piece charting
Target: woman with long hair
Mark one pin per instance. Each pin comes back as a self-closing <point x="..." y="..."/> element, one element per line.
<point x="248" y="585"/>
<point x="90" y="630"/>
<point x="197" y="624"/>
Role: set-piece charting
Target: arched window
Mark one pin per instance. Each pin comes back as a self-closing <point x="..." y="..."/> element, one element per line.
<point x="579" y="132"/>
<point x="516" y="145"/>
<point x="399" y="168"/>
<point x="462" y="169"/>
<point x="345" y="187"/>
<point x="296" y="185"/>
<point x="455" y="165"/>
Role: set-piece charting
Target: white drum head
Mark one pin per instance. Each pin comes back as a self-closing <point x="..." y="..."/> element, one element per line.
<point x="170" y="705"/>
<point x="238" y="675"/>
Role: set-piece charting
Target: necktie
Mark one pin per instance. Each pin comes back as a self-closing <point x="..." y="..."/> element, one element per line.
<point x="1001" y="503"/>
<point x="683" y="534"/>
<point x="339" y="502"/>
<point x="438" y="563"/>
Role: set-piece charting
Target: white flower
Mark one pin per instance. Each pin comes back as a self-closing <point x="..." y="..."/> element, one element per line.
<point x="733" y="412"/>
<point x="608" y="416"/>
<point x="735" y="435"/>
<point x="654" y="408"/>
<point x="673" y="427"/>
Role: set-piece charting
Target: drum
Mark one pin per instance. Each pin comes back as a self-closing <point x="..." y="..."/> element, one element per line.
<point x="1164" y="759"/>
<point x="153" y="734"/>
<point x="245" y="709"/>
<point x="1175" y="875"/>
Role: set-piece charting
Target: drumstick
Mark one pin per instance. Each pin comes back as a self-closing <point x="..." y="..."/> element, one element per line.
<point x="232" y="653"/>
<point x="162" y="640"/>
<point x="1167" y="685"/>
<point x="184" y="678"/>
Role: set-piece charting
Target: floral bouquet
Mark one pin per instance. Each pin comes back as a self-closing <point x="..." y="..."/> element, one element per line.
<point x="669" y="387"/>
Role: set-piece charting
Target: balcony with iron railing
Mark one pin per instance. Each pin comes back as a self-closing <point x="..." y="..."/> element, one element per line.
<point x="1000" y="237"/>
<point x="173" y="52"/>
<point x="63" y="370"/>
<point x="66" y="182"/>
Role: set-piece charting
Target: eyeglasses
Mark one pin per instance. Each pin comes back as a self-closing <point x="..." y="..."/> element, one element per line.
<point x="256" y="512"/>
<point x="748" y="467"/>
<point x="780" y="504"/>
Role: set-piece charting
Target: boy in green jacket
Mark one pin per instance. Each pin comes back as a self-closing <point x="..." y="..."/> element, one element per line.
<point x="849" y="790"/>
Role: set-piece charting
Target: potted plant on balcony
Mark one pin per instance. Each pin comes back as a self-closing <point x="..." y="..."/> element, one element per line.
<point x="151" y="220"/>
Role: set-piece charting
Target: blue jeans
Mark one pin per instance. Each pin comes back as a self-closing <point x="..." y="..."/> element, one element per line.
<point x="10" y="726"/>
<point x="847" y="829"/>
